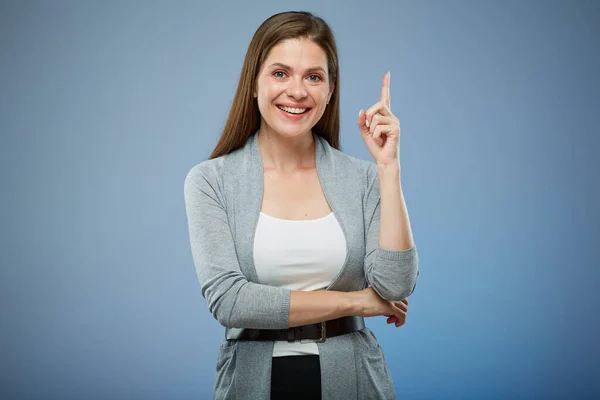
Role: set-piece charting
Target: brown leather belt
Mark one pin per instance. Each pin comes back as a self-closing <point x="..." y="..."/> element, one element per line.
<point x="305" y="333"/>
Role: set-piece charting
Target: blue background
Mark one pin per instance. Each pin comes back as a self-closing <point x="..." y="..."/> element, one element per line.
<point x="106" y="105"/>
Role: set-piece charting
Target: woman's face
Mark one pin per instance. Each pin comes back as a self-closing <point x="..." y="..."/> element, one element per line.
<point x="294" y="75"/>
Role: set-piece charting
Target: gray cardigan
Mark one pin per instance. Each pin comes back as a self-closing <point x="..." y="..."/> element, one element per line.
<point x="223" y="199"/>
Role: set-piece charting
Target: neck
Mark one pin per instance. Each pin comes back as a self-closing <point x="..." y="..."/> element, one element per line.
<point x="286" y="154"/>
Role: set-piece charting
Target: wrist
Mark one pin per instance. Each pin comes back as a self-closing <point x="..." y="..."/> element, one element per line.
<point x="388" y="172"/>
<point x="395" y="166"/>
<point x="353" y="304"/>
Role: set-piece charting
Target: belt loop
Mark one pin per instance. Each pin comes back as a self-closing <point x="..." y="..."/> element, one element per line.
<point x="291" y="334"/>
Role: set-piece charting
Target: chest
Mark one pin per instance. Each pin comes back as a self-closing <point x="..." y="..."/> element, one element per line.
<point x="297" y="196"/>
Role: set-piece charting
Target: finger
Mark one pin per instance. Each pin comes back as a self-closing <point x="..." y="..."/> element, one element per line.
<point x="380" y="132"/>
<point x="377" y="108"/>
<point x="362" y="122"/>
<point x="401" y="320"/>
<point x="379" y="119"/>
<point x="401" y="305"/>
<point x="385" y="89"/>
<point x="363" y="125"/>
<point x="399" y="312"/>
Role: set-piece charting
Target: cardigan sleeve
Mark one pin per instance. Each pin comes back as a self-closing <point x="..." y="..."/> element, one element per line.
<point x="392" y="274"/>
<point x="232" y="299"/>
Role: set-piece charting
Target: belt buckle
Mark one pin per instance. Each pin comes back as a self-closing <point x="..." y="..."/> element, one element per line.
<point x="321" y="339"/>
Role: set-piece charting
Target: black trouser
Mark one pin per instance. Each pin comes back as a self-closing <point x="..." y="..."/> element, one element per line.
<point x="296" y="377"/>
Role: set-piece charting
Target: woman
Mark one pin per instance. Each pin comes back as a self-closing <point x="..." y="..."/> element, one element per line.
<point x="295" y="242"/>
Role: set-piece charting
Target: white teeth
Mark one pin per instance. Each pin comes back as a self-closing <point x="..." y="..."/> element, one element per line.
<point x="293" y="110"/>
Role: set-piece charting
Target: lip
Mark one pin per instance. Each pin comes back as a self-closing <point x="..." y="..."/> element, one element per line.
<point x="294" y="117"/>
<point x="293" y="105"/>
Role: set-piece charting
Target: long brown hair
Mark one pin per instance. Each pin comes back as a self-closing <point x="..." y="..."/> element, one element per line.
<point x="244" y="116"/>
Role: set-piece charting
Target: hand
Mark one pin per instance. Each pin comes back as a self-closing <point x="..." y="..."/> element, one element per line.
<point x="380" y="128"/>
<point x="393" y="319"/>
<point x="370" y="304"/>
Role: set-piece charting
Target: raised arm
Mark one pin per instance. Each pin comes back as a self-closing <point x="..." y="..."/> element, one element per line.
<point x="393" y="274"/>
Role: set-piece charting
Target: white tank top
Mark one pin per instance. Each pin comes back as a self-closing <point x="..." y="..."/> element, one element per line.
<point x="298" y="255"/>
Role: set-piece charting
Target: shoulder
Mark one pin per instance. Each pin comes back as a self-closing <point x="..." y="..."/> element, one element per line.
<point x="218" y="172"/>
<point x="206" y="170"/>
<point x="206" y="175"/>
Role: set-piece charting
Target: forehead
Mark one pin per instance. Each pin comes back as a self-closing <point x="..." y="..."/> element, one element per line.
<point x="298" y="53"/>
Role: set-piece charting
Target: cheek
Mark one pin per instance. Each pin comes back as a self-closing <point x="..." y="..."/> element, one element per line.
<point x="322" y="96"/>
<point x="266" y="97"/>
<point x="274" y="90"/>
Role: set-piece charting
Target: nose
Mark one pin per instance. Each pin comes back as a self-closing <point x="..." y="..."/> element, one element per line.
<point x="296" y="89"/>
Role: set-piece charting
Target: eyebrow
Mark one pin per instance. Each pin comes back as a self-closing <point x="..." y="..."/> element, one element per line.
<point x="291" y="69"/>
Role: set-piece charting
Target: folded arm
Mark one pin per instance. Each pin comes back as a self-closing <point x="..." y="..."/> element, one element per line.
<point x="233" y="300"/>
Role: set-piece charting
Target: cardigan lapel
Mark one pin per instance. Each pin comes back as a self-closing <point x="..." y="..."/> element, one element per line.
<point x="247" y="170"/>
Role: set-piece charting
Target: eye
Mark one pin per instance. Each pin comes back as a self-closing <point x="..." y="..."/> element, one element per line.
<point x="278" y="72"/>
<point x="316" y="76"/>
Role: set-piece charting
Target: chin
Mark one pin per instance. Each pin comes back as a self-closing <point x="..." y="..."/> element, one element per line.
<point x="290" y="130"/>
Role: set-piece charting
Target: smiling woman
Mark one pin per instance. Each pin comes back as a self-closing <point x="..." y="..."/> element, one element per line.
<point x="285" y="228"/>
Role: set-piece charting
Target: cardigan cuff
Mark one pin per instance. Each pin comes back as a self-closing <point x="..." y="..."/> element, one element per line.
<point x="396" y="255"/>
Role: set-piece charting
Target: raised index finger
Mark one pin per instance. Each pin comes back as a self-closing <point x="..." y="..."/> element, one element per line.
<point x="385" y="90"/>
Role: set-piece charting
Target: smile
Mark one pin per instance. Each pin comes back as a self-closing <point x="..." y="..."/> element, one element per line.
<point x="295" y="111"/>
